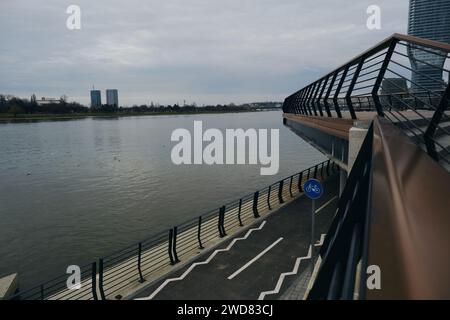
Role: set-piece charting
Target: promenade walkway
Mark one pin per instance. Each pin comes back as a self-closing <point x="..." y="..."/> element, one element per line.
<point x="259" y="263"/>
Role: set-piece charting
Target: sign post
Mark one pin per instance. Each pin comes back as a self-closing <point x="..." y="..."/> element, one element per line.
<point x="313" y="190"/>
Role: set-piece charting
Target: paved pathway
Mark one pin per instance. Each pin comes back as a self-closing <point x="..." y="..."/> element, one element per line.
<point x="252" y="264"/>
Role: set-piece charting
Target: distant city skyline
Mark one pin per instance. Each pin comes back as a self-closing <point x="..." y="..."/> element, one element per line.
<point x="207" y="52"/>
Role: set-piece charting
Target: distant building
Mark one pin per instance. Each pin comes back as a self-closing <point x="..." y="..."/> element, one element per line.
<point x="112" y="97"/>
<point x="45" y="100"/>
<point x="393" y="92"/>
<point x="96" y="98"/>
<point x="429" y="19"/>
<point x="394" y="85"/>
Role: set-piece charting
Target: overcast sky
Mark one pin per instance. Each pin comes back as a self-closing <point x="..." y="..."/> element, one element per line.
<point x="167" y="51"/>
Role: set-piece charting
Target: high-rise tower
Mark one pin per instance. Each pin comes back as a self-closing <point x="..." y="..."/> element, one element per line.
<point x="112" y="97"/>
<point x="96" y="98"/>
<point x="429" y="19"/>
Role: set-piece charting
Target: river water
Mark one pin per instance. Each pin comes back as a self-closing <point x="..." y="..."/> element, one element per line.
<point x="73" y="191"/>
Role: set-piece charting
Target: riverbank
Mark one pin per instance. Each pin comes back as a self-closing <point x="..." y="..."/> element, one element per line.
<point x="74" y="116"/>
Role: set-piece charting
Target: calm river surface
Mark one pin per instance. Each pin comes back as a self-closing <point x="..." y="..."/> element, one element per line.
<point x="73" y="191"/>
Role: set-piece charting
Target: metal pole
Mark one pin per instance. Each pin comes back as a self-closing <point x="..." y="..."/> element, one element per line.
<point x="199" y="232"/>
<point x="94" y="280"/>
<point x="255" y="205"/>
<point x="100" y="279"/>
<point x="174" y="243"/>
<point x="141" y="278"/>
<point x="313" y="221"/>
<point x="290" y="186"/>
<point x="169" y="249"/>
<point x="219" y="223"/>
<point x="280" y="191"/>
<point x="300" y="177"/>
<point x="239" y="212"/>
<point x="222" y="221"/>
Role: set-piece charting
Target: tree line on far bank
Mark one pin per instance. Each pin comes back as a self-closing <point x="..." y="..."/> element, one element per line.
<point x="14" y="105"/>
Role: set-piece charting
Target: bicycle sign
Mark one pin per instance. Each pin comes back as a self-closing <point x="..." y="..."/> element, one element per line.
<point x="313" y="189"/>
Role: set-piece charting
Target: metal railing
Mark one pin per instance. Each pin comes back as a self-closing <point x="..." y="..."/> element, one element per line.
<point x="119" y="274"/>
<point x="386" y="80"/>
<point x="346" y="242"/>
<point x="392" y="215"/>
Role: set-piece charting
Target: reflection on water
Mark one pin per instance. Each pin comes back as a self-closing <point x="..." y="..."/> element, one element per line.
<point x="73" y="191"/>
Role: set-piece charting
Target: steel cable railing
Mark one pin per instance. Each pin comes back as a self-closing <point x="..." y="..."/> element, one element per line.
<point x="386" y="80"/>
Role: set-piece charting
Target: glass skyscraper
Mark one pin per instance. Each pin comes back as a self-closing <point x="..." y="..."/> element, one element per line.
<point x="96" y="98"/>
<point x="112" y="97"/>
<point x="429" y="19"/>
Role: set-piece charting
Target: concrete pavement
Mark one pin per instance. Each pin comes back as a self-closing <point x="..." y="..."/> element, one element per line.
<point x="260" y="263"/>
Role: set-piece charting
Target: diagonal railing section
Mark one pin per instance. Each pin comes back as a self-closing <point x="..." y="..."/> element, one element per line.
<point x="121" y="273"/>
<point x="403" y="78"/>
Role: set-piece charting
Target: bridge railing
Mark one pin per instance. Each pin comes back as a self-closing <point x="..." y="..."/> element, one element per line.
<point x="392" y="219"/>
<point x="403" y="78"/>
<point x="345" y="245"/>
<point x="119" y="274"/>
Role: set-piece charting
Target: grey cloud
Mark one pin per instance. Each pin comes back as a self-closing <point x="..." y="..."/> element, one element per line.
<point x="206" y="51"/>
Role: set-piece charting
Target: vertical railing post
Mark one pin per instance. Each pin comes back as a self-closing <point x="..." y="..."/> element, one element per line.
<point x="296" y="102"/>
<point x="319" y="98"/>
<point x="255" y="205"/>
<point x="309" y="174"/>
<point x="199" y="233"/>
<point x="175" y="233"/>
<point x="290" y="186"/>
<point x="315" y="172"/>
<point x="432" y="127"/>
<point x="321" y="171"/>
<point x="222" y="222"/>
<point x="280" y="191"/>
<point x="302" y="102"/>
<point x="327" y="96"/>
<point x="100" y="279"/>
<point x="306" y="98"/>
<point x="239" y="213"/>
<point x="299" y="185"/>
<point x="172" y="260"/>
<point x="94" y="280"/>
<point x="338" y="90"/>
<point x="348" y="96"/>
<point x="313" y="99"/>
<point x="141" y="278"/>
<point x="268" y="197"/>
<point x="328" y="168"/>
<point x="378" y="81"/>
<point x="219" y="223"/>
<point x="299" y="101"/>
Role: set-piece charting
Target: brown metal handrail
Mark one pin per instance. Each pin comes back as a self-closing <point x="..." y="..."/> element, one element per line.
<point x="394" y="213"/>
<point x="410" y="219"/>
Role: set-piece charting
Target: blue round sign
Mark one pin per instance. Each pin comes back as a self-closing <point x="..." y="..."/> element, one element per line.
<point x="313" y="189"/>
